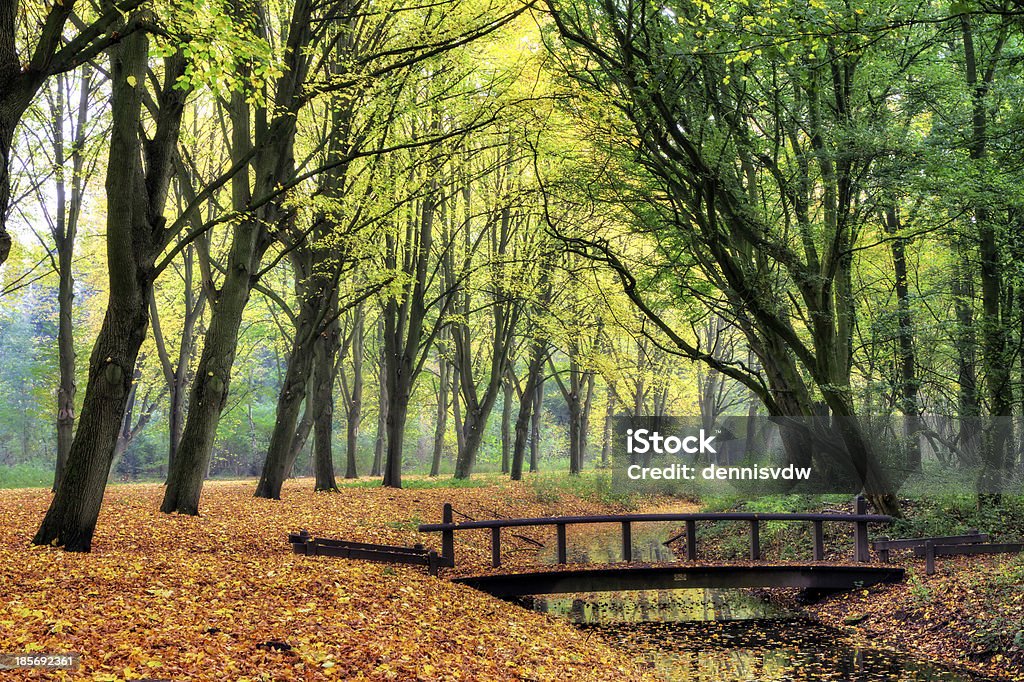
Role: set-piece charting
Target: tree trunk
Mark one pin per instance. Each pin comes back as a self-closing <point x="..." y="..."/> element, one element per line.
<point x="354" y="411"/>
<point x="876" y="484"/>
<point x="968" y="397"/>
<point x="324" y="365"/>
<point x="380" y="443"/>
<point x="135" y="204"/>
<point x="302" y="431"/>
<point x="460" y="434"/>
<point x="22" y="73"/>
<point x="65" y="235"/>
<point x="398" y="391"/>
<point x="607" y="431"/>
<point x="508" y="390"/>
<point x="905" y="337"/>
<point x="535" y="374"/>
<point x="473" y="428"/>
<point x="278" y="462"/>
<point x="571" y="394"/>
<point x="273" y="164"/>
<point x="538" y="405"/>
<point x="998" y="387"/>
<point x="588" y="406"/>
<point x="177" y="375"/>
<point x="405" y="318"/>
<point x="473" y="431"/>
<point x="441" y="423"/>
<point x="209" y="393"/>
<point x="16" y="94"/>
<point x="504" y="314"/>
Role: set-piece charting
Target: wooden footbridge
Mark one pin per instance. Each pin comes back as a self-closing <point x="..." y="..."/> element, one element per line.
<point x="817" y="576"/>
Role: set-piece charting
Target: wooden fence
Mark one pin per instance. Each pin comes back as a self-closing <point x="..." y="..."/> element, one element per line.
<point x="859" y="520"/>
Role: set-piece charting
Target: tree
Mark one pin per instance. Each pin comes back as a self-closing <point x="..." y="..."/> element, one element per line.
<point x="581" y="330"/>
<point x="69" y="124"/>
<point x="136" y="235"/>
<point x="353" y="393"/>
<point x="718" y="136"/>
<point x="261" y="206"/>
<point x="24" y="68"/>
<point x="536" y="335"/>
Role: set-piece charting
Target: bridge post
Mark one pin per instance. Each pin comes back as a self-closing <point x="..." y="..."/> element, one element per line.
<point x="627" y="541"/>
<point x="929" y="558"/>
<point x="496" y="546"/>
<point x="860" y="531"/>
<point x="755" y="540"/>
<point x="691" y="540"/>
<point x="819" y="541"/>
<point x="882" y="547"/>
<point x="448" y="537"/>
<point x="560" y="534"/>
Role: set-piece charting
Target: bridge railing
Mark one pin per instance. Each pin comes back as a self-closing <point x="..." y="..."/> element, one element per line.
<point x="859" y="520"/>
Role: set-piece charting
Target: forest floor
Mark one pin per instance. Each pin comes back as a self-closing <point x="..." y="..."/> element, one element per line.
<point x="221" y="596"/>
<point x="968" y="615"/>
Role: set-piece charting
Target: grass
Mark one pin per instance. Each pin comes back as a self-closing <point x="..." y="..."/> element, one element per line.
<point x="420" y="482"/>
<point x="953" y="514"/>
<point x="26" y="475"/>
<point x="594" y="485"/>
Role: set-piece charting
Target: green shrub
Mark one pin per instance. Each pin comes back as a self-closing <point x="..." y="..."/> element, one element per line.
<point x="32" y="474"/>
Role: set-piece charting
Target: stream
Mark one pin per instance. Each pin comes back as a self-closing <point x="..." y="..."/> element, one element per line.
<point x="698" y="635"/>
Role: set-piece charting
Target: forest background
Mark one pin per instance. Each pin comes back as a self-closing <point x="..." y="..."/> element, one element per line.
<point x="253" y="238"/>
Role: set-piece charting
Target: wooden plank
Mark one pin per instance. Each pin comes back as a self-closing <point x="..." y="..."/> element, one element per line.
<point x="496" y="547"/>
<point x="329" y="542"/>
<point x="560" y="535"/>
<point x="882" y="547"/>
<point x="971" y="550"/>
<point x="363" y="547"/>
<point x="303" y="548"/>
<point x="643" y="518"/>
<point x="929" y="557"/>
<point x="860" y="532"/>
<point x="301" y="536"/>
<point x="447" y="537"/>
<point x="627" y="541"/>
<point x="755" y="540"/>
<point x="683" y="576"/>
<point x="369" y="555"/>
<point x="303" y="543"/>
<point x="691" y="540"/>
<point x="819" y="541"/>
<point x="912" y="543"/>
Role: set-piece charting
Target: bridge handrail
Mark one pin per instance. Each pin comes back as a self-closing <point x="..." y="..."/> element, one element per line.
<point x="860" y="520"/>
<point x="639" y="518"/>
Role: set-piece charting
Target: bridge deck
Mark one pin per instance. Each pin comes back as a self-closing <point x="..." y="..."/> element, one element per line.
<point x="671" y="577"/>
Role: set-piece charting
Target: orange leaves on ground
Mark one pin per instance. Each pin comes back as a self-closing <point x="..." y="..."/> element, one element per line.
<point x="220" y="597"/>
<point x="970" y="613"/>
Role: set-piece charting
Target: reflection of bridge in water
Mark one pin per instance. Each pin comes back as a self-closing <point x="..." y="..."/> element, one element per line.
<point x="817" y="576"/>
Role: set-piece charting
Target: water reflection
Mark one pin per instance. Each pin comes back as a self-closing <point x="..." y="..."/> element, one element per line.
<point x="602" y="544"/>
<point x="657" y="606"/>
<point x="715" y="635"/>
<point x="765" y="650"/>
